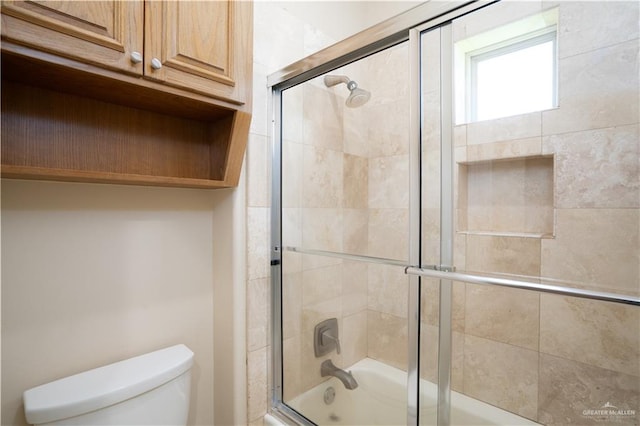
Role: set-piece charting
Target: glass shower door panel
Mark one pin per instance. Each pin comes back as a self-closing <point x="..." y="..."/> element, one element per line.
<point x="345" y="159"/>
<point x="345" y="239"/>
<point x="548" y="191"/>
<point x="367" y="302"/>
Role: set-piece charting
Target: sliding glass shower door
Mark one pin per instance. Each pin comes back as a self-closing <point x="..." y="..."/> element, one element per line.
<point x="345" y="236"/>
<point x="531" y="177"/>
<point x="457" y="223"/>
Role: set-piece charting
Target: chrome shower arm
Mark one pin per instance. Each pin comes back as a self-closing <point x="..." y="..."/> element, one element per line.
<point x="332" y="80"/>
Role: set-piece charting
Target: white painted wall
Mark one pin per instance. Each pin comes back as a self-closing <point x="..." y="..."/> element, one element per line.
<point x="92" y="274"/>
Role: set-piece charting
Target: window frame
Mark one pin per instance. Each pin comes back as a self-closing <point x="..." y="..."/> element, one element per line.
<point x="502" y="48"/>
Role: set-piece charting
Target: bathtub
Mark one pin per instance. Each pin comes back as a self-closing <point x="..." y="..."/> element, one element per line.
<point x="380" y="399"/>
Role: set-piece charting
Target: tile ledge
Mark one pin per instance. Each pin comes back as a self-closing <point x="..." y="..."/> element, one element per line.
<point x="508" y="234"/>
<point x="515" y="157"/>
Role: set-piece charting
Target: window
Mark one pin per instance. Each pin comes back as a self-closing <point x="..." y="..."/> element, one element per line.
<point x="511" y="70"/>
<point x="512" y="80"/>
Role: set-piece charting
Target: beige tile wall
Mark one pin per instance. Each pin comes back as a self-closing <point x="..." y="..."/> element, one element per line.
<point x="596" y="168"/>
<point x="547" y="357"/>
<point x="567" y="387"/>
<point x="595" y="333"/>
<point x="595" y="247"/>
<point x="387" y="132"/>
<point x="501" y="374"/>
<point x="347" y="196"/>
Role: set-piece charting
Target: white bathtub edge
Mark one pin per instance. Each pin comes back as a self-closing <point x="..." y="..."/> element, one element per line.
<point x="270" y="420"/>
<point x="392" y="389"/>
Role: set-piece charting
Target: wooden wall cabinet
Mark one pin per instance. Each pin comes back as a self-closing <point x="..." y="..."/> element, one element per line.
<point x="104" y="33"/>
<point x="178" y="34"/>
<point x="153" y="92"/>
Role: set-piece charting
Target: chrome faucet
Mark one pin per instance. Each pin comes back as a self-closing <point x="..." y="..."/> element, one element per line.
<point x="328" y="369"/>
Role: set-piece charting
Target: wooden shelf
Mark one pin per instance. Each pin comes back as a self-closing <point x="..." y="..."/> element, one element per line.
<point x="63" y="122"/>
<point x="54" y="135"/>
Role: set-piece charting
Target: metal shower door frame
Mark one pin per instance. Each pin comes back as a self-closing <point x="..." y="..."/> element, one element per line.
<point x="446" y="203"/>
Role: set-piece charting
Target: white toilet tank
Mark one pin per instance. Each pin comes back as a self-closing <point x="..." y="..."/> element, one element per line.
<point x="150" y="389"/>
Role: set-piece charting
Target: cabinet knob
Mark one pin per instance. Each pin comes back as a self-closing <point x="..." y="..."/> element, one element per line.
<point x="156" y="64"/>
<point x="136" y="57"/>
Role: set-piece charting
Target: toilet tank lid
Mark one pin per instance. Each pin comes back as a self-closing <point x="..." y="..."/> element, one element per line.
<point x="105" y="386"/>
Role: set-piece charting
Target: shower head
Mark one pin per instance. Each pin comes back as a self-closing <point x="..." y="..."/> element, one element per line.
<point x="357" y="97"/>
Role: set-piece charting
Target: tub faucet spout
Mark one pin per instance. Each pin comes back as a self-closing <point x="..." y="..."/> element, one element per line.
<point x="328" y="369"/>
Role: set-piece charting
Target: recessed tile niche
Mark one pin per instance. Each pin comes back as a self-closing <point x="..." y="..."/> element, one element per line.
<point x="507" y="197"/>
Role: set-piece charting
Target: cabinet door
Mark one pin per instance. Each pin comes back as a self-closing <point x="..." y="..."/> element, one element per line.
<point x="201" y="46"/>
<point x="103" y="33"/>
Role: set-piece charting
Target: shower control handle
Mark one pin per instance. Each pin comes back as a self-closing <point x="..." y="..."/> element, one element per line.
<point x="328" y="337"/>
